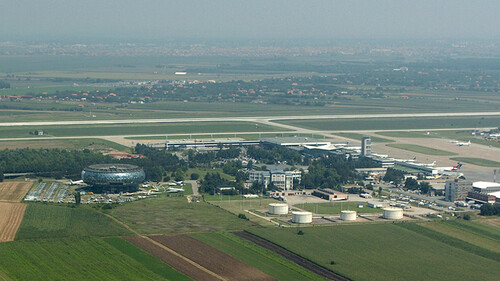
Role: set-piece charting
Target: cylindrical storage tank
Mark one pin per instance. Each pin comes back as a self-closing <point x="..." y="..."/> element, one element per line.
<point x="278" y="209"/>
<point x="302" y="217"/>
<point x="393" y="213"/>
<point x="348" y="215"/>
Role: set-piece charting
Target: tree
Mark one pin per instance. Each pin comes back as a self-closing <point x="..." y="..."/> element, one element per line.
<point x="425" y="187"/>
<point x="194" y="176"/>
<point x="1" y="176"/>
<point x="411" y="184"/>
<point x="78" y="197"/>
<point x="466" y="217"/>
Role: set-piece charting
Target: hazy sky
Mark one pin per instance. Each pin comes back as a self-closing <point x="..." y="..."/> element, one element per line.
<point x="266" y="19"/>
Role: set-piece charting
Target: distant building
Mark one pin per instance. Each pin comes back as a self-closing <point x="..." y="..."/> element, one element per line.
<point x="457" y="190"/>
<point x="280" y="179"/>
<point x="486" y="192"/>
<point x="366" y="146"/>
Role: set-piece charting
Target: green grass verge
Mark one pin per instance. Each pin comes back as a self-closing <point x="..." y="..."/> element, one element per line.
<point x="95" y="144"/>
<point x="70" y="259"/>
<point x="336" y="207"/>
<point x="459" y="135"/>
<point x="188" y="189"/>
<point x="452" y="241"/>
<point x="382" y="252"/>
<point x="256" y="256"/>
<point x="136" y="129"/>
<point x="245" y="136"/>
<point x="51" y="221"/>
<point x="477" y="161"/>
<point x="356" y="136"/>
<point x="176" y="215"/>
<point x="146" y="260"/>
<point x="421" y="149"/>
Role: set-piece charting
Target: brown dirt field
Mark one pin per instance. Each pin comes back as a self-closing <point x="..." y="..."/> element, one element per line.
<point x="176" y="262"/>
<point x="14" y="191"/>
<point x="11" y="215"/>
<point x="493" y="222"/>
<point x="211" y="258"/>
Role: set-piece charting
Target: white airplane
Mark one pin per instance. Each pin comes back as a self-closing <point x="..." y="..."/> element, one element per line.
<point x="80" y="182"/>
<point x="425" y="165"/>
<point x="450" y="169"/>
<point x="174" y="190"/>
<point x="329" y="147"/>
<point x="406" y="160"/>
<point x="463" y="143"/>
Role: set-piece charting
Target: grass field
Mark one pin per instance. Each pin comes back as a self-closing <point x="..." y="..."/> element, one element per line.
<point x="71" y="259"/>
<point x="477" y="161"/>
<point x="50" y="221"/>
<point x="336" y="207"/>
<point x="358" y="137"/>
<point x="238" y="205"/>
<point x="245" y="136"/>
<point x="383" y="252"/>
<point x="90" y="143"/>
<point x="258" y="257"/>
<point x="421" y="149"/>
<point x="395" y="123"/>
<point x="459" y="135"/>
<point x="146" y="260"/>
<point x="136" y="129"/>
<point x="176" y="215"/>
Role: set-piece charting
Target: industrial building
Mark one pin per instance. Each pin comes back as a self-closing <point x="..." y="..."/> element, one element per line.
<point x="113" y="177"/>
<point x="485" y="192"/>
<point x="280" y="179"/>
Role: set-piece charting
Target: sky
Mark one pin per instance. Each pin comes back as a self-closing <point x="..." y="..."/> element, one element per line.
<point x="250" y="19"/>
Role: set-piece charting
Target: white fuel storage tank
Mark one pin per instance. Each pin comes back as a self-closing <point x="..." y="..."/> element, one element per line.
<point x="393" y="213"/>
<point x="278" y="209"/>
<point x="348" y="215"/>
<point x="302" y="217"/>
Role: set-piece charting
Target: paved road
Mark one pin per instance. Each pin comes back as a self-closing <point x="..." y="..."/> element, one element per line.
<point x="250" y="119"/>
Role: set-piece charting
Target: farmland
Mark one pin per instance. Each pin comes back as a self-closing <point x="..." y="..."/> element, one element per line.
<point x="395" y="123"/>
<point x="367" y="246"/>
<point x="176" y="215"/>
<point x="477" y="161"/>
<point x="336" y="207"/>
<point x="50" y="221"/>
<point x="136" y="129"/>
<point x="256" y="256"/>
<point x="14" y="191"/>
<point x="80" y="259"/>
<point x="421" y="149"/>
<point x="11" y="215"/>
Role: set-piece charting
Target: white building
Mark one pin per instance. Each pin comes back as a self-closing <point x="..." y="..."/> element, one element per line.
<point x="280" y="179"/>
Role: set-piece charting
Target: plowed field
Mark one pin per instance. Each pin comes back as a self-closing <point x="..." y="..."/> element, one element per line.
<point x="11" y="215"/>
<point x="211" y="258"/>
<point x="14" y="191"/>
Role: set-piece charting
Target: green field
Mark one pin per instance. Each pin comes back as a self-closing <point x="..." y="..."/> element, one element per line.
<point x="188" y="189"/>
<point x="459" y="135"/>
<point x="135" y="129"/>
<point x="383" y="252"/>
<point x="356" y="136"/>
<point x="90" y="143"/>
<point x="50" y="221"/>
<point x="238" y="205"/>
<point x="394" y="123"/>
<point x="477" y="161"/>
<point x="421" y="149"/>
<point x="176" y="215"/>
<point x="245" y="136"/>
<point x="71" y="259"/>
<point x="258" y="257"/>
<point x="146" y="260"/>
<point x="336" y="207"/>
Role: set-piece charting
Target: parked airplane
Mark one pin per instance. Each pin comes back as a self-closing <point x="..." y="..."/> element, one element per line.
<point x="80" y="182"/>
<point x="463" y="143"/>
<point x="425" y="165"/>
<point x="174" y="190"/>
<point x="450" y="169"/>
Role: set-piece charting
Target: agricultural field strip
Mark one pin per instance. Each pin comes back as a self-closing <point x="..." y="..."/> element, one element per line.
<point x="291" y="256"/>
<point x="250" y="119"/>
<point x="10" y="220"/>
<point x="14" y="191"/>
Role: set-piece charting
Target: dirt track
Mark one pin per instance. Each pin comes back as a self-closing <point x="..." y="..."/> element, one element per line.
<point x="291" y="256"/>
<point x="11" y="216"/>
<point x="14" y="191"/>
<point x="211" y="258"/>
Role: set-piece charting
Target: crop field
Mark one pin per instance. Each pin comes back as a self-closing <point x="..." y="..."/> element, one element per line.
<point x="477" y="161"/>
<point x="336" y="207"/>
<point x="176" y="215"/>
<point x="11" y="215"/>
<point x="421" y="149"/>
<point x="490" y="223"/>
<point x="211" y="258"/>
<point x="146" y="260"/>
<point x="256" y="256"/>
<point x="358" y="137"/>
<point x="383" y="252"/>
<point x="238" y="205"/>
<point x="75" y="259"/>
<point x="50" y="221"/>
<point x="137" y="129"/>
<point x="395" y="123"/>
<point x="466" y="234"/>
<point x="14" y="191"/>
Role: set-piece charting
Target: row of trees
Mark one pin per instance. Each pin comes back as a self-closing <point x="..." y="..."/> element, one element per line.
<point x="490" y="210"/>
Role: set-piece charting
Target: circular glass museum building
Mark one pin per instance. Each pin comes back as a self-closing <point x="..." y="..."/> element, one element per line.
<point x="115" y="177"/>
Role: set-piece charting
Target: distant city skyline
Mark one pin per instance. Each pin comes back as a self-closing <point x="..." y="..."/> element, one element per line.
<point x="257" y="19"/>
